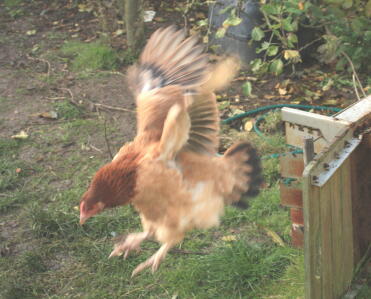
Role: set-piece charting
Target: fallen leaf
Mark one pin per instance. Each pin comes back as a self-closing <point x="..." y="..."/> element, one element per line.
<point x="200" y="15"/>
<point x="118" y="32"/>
<point x="21" y="135"/>
<point x="243" y="78"/>
<point x="275" y="237"/>
<point x="292" y="54"/>
<point x="49" y="115"/>
<point x="224" y="105"/>
<point x="330" y="102"/>
<point x="248" y="125"/>
<point x="159" y="19"/>
<point x="85" y="147"/>
<point x="31" y="32"/>
<point x="282" y="91"/>
<point x="85" y="8"/>
<point x="236" y="111"/>
<point x="35" y="48"/>
<point x="247" y="88"/>
<point x="229" y="238"/>
<point x="295" y="102"/>
<point x="328" y="85"/>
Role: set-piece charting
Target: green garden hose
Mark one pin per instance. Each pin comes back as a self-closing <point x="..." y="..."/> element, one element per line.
<point x="272" y="107"/>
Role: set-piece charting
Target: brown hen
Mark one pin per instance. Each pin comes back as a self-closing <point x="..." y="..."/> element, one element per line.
<point x="171" y="172"/>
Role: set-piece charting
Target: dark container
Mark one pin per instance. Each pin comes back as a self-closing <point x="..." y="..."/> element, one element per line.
<point x="236" y="39"/>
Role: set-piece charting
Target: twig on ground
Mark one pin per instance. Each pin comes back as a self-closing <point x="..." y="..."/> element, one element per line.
<point x="56" y="98"/>
<point x="176" y="250"/>
<point x="104" y="106"/>
<point x="54" y="122"/>
<point x="42" y="60"/>
<point x="72" y="98"/>
<point x="95" y="148"/>
<point x="105" y="137"/>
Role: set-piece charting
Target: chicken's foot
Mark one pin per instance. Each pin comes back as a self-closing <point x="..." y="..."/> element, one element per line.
<point x="155" y="260"/>
<point x="132" y="242"/>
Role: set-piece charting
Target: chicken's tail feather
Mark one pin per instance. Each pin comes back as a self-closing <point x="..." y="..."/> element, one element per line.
<point x="170" y="59"/>
<point x="245" y="164"/>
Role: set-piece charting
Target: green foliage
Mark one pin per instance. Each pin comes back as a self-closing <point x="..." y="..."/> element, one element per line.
<point x="90" y="56"/>
<point x="343" y="25"/>
<point x="272" y="122"/>
<point x="282" y="19"/>
<point x="348" y="33"/>
<point x="232" y="20"/>
<point x="12" y="3"/>
<point x="14" y="7"/>
<point x="271" y="171"/>
<point x="247" y="89"/>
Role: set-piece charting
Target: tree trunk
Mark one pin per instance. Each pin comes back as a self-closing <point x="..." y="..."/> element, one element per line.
<point x="134" y="24"/>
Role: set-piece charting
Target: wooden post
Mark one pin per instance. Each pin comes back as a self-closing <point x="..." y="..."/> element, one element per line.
<point x="134" y="24"/>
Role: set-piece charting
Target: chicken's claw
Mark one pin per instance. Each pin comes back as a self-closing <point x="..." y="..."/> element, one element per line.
<point x="132" y="242"/>
<point x="154" y="261"/>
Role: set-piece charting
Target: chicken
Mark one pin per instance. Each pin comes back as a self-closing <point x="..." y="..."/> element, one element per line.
<point x="171" y="172"/>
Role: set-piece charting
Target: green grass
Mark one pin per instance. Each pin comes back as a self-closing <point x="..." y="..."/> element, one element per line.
<point x="231" y="270"/>
<point x="14" y="173"/>
<point x="66" y="110"/>
<point x="15" y="7"/>
<point x="12" y="3"/>
<point x="90" y="57"/>
<point x="70" y="261"/>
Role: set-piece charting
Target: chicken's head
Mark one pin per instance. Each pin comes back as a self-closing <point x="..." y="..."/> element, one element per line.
<point x="113" y="185"/>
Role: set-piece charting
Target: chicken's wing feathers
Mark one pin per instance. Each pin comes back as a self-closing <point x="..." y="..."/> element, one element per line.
<point x="169" y="59"/>
<point x="175" y="132"/>
<point x="203" y="135"/>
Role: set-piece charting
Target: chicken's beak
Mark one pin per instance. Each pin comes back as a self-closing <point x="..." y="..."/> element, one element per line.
<point x="83" y="215"/>
<point x="83" y="219"/>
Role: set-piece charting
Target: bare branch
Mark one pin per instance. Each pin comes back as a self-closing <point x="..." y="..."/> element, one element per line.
<point x="354" y="74"/>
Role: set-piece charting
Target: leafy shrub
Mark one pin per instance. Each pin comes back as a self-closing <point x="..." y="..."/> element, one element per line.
<point x="348" y="33"/>
<point x="278" y="35"/>
<point x="343" y="26"/>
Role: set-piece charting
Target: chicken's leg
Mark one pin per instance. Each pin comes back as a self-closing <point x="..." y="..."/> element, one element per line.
<point x="155" y="260"/>
<point x="132" y="242"/>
